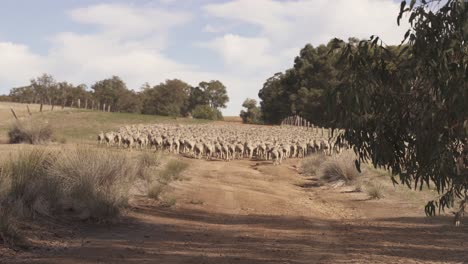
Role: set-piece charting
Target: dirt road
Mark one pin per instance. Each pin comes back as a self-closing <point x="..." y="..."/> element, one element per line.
<point x="250" y="212"/>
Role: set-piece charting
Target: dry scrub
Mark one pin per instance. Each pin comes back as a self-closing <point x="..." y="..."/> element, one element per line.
<point x="338" y="169"/>
<point x="158" y="184"/>
<point x="91" y="184"/>
<point x="30" y="131"/>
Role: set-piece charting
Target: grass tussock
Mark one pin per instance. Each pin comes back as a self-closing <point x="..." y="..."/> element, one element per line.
<point x="95" y="182"/>
<point x="375" y="191"/>
<point x="31" y="132"/>
<point x="92" y="183"/>
<point x="156" y="190"/>
<point x="310" y="165"/>
<point x="159" y="183"/>
<point x="26" y="186"/>
<point x="172" y="171"/>
<point x="339" y="169"/>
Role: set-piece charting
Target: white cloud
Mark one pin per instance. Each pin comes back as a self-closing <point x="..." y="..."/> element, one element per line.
<point x="242" y="53"/>
<point x="129" y="21"/>
<point x="17" y="65"/>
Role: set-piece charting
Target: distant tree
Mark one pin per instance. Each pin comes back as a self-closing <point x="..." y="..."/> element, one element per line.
<point x="206" y="112"/>
<point x="45" y="88"/>
<point x="215" y="93"/>
<point x="114" y="92"/>
<point x="253" y="113"/>
<point x="197" y="97"/>
<point x="170" y="98"/>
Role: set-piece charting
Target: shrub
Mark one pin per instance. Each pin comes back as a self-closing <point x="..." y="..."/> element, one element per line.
<point x="30" y="131"/>
<point x="173" y="170"/>
<point x="169" y="202"/>
<point x="340" y="168"/>
<point x="375" y="191"/>
<point x="96" y="182"/>
<point x="206" y="112"/>
<point x="26" y="186"/>
<point x="155" y="190"/>
<point x="310" y="165"/>
<point x="146" y="161"/>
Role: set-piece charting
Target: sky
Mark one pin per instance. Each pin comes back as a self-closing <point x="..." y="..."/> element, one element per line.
<point x="239" y="42"/>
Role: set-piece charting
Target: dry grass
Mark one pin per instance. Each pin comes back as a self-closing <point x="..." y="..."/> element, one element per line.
<point x="375" y="191"/>
<point x="156" y="190"/>
<point x="92" y="183"/>
<point x="339" y="169"/>
<point x="158" y="184"/>
<point x="25" y="185"/>
<point x="9" y="233"/>
<point x="30" y="131"/>
<point x="172" y="171"/>
<point x="310" y="165"/>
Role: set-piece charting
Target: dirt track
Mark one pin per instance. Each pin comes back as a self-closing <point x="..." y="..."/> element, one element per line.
<point x="249" y="212"/>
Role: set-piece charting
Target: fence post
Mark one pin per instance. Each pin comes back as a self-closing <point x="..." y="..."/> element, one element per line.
<point x="29" y="111"/>
<point x="14" y="114"/>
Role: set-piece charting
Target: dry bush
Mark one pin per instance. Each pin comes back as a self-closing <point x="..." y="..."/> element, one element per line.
<point x="310" y="165"/>
<point x="156" y="189"/>
<point x="30" y="131"/>
<point x="168" y="202"/>
<point x="95" y="182"/>
<point x="339" y="168"/>
<point x="25" y="185"/>
<point x="146" y="162"/>
<point x="375" y="191"/>
<point x="172" y="171"/>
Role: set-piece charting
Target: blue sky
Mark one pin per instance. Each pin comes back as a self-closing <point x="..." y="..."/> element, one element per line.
<point x="239" y="42"/>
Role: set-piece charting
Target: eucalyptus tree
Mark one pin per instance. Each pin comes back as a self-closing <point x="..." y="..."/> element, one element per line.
<point x="405" y="109"/>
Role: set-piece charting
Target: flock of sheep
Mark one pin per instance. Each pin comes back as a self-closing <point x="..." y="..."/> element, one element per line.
<point x="226" y="142"/>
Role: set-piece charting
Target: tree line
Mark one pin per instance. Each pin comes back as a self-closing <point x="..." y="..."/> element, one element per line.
<point x="170" y="98"/>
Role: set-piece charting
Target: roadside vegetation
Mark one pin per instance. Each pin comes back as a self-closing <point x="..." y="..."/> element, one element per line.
<point x="85" y="183"/>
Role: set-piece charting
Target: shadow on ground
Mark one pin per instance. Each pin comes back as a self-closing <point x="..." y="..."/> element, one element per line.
<point x="160" y="235"/>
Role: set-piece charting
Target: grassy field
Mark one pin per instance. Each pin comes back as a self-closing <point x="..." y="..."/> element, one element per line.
<point x="78" y="125"/>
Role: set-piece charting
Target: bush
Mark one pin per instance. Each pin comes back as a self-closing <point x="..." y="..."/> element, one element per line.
<point x="375" y="191"/>
<point x="172" y="171"/>
<point x="310" y="165"/>
<point x="25" y="185"/>
<point x="96" y="182"/>
<point x="156" y="190"/>
<point x="340" y="168"/>
<point x="30" y="131"/>
<point x="206" y="112"/>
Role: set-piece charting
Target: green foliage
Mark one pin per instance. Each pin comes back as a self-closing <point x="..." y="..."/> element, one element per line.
<point x="253" y="115"/>
<point x="168" y="99"/>
<point x="404" y="108"/>
<point x="215" y="93"/>
<point x="302" y="89"/>
<point x="206" y="112"/>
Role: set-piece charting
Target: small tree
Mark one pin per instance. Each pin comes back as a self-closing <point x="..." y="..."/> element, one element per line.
<point x="253" y="114"/>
